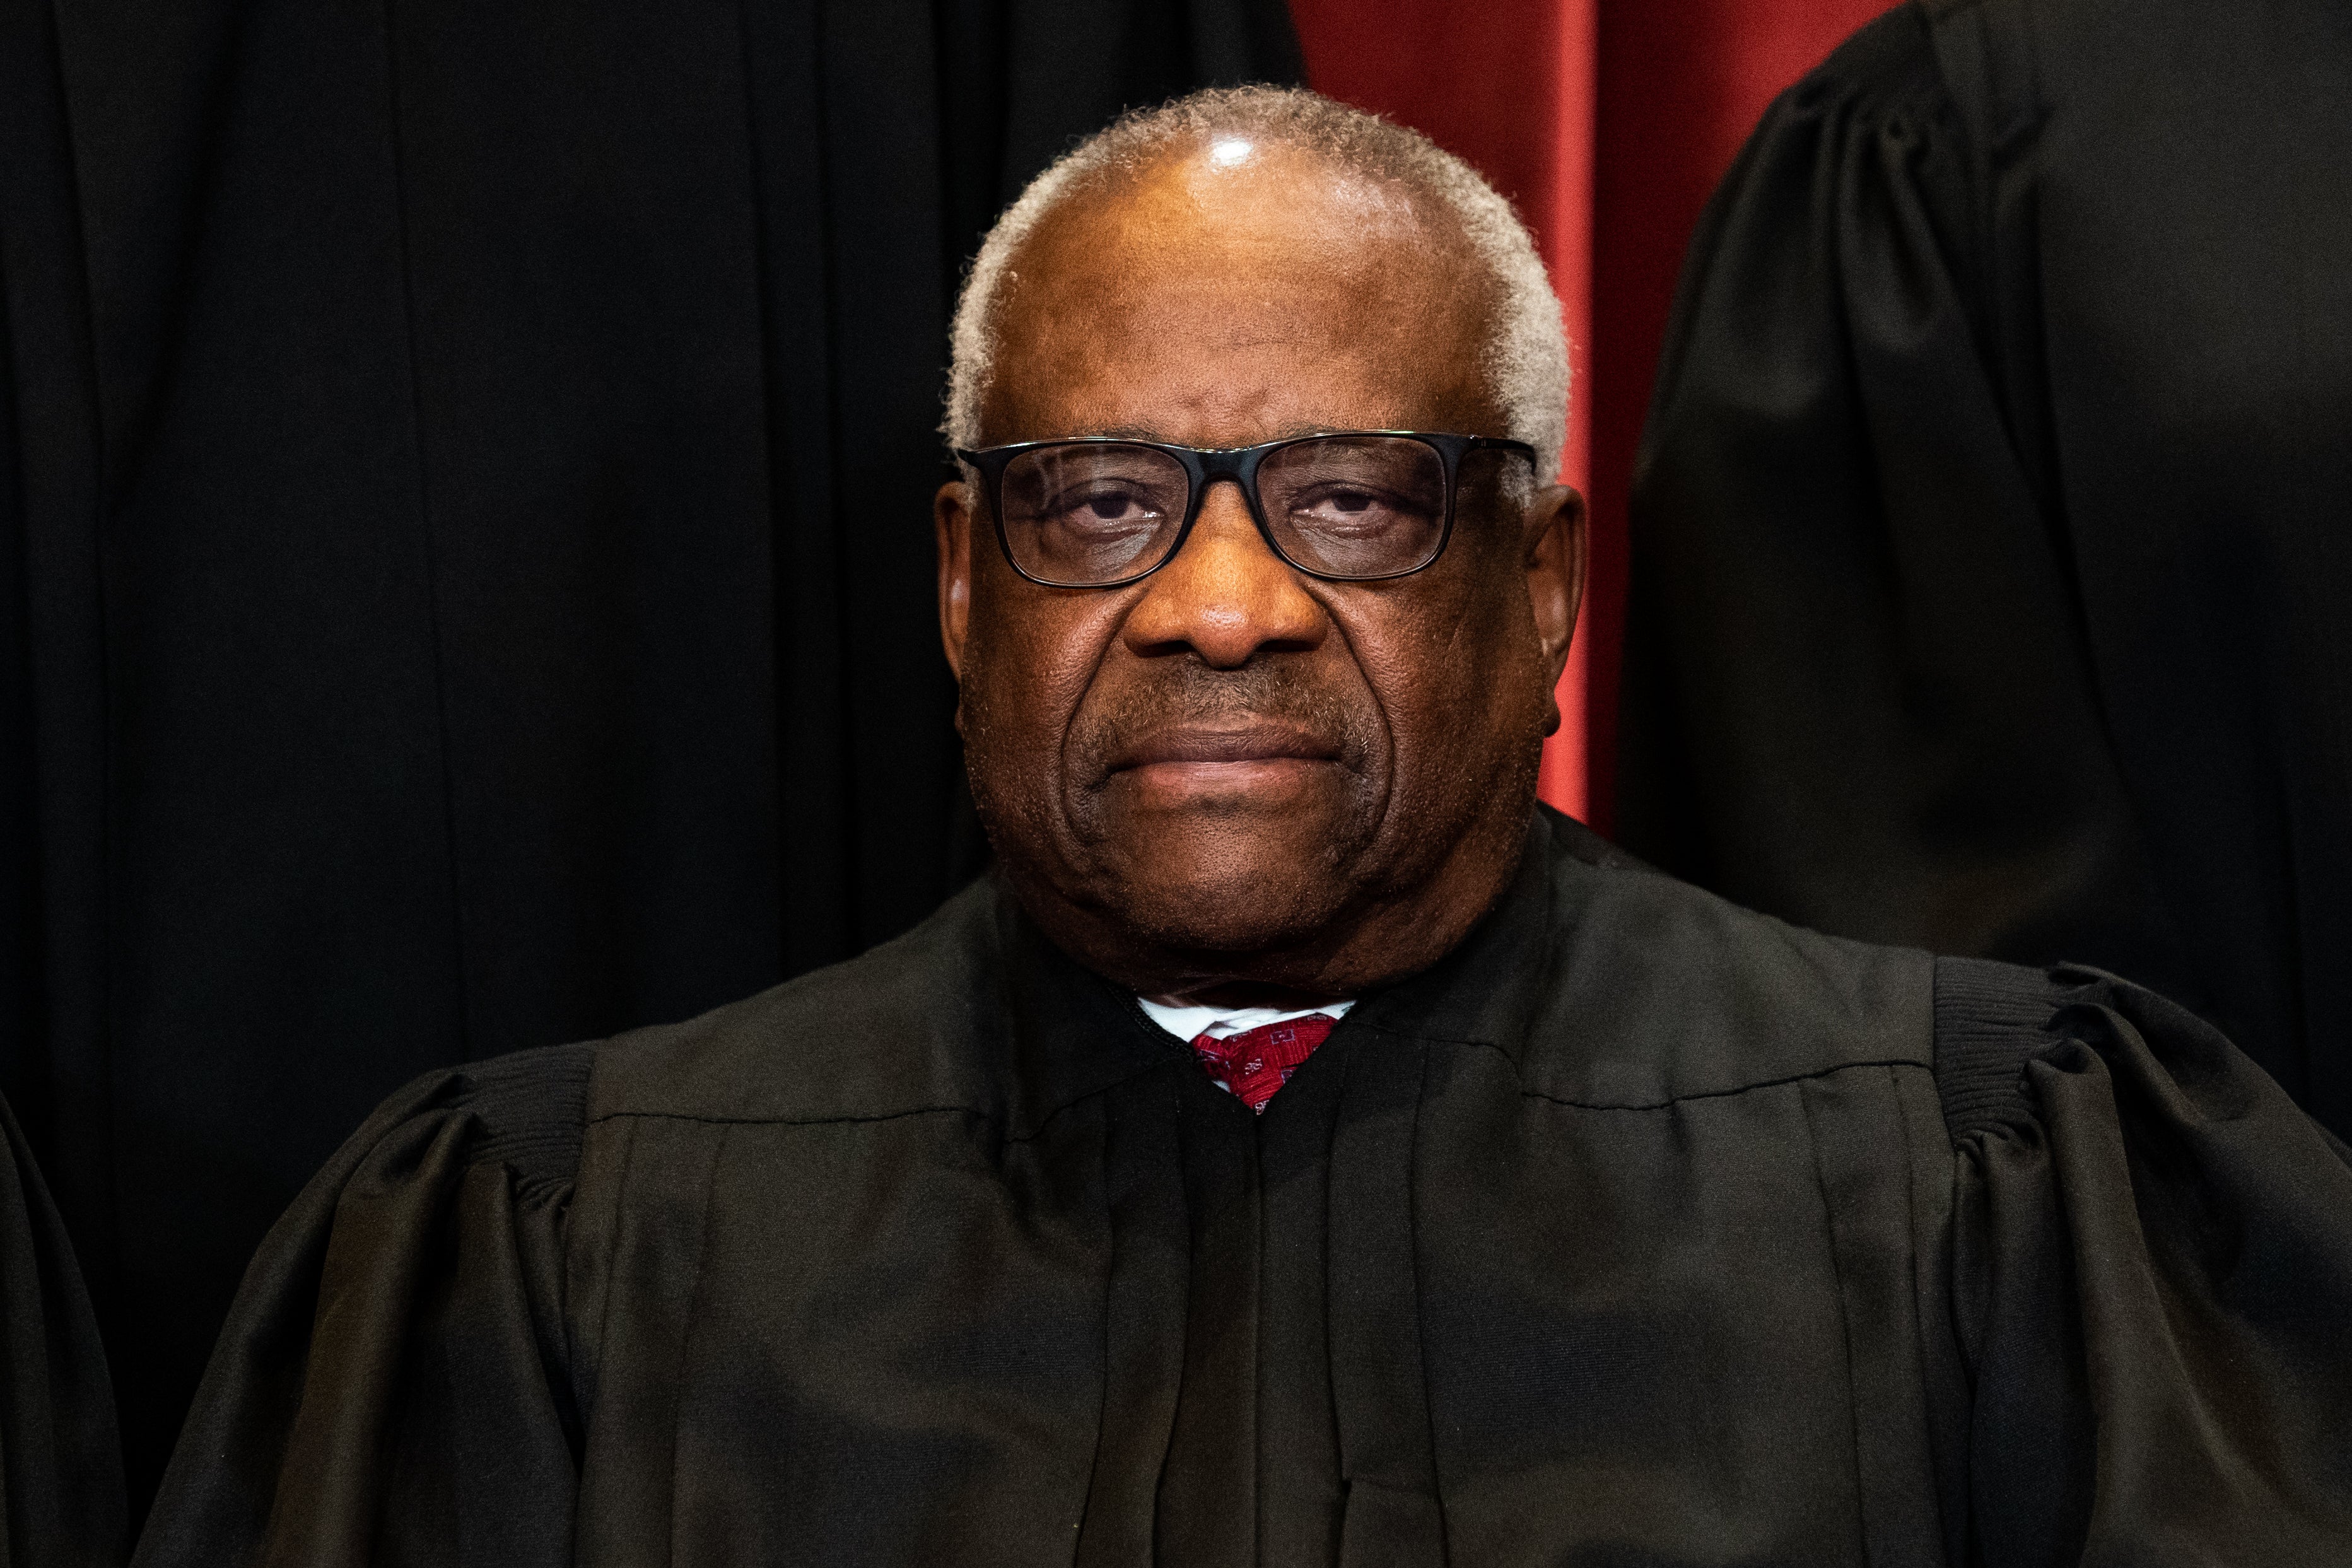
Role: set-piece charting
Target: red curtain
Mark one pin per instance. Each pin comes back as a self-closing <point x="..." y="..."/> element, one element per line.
<point x="1607" y="121"/>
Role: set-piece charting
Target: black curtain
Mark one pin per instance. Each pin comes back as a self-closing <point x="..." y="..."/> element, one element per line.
<point x="1992" y="534"/>
<point x="465" y="560"/>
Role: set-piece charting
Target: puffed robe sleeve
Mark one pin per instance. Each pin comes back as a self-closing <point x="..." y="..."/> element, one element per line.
<point x="2152" y="1276"/>
<point x="392" y="1386"/>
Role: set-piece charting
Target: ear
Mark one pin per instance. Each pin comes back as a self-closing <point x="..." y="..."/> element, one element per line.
<point x="951" y="523"/>
<point x="1555" y="538"/>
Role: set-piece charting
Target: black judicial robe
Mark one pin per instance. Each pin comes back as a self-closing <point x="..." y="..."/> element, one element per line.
<point x="1641" y="1229"/>
<point x="61" y="1496"/>
<point x="1992" y="532"/>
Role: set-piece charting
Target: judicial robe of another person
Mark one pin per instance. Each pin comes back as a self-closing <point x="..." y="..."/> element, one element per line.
<point x="1992" y="530"/>
<point x="61" y="1495"/>
<point x="1639" y="1229"/>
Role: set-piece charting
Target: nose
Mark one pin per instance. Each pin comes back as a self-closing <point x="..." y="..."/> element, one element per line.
<point x="1227" y="597"/>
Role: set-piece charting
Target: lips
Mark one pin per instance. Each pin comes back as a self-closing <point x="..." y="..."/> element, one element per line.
<point x="1256" y="742"/>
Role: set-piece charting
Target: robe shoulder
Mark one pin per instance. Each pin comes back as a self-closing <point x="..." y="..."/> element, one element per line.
<point x="884" y="1034"/>
<point x="1647" y="989"/>
<point x="913" y="1026"/>
<point x="1633" y="988"/>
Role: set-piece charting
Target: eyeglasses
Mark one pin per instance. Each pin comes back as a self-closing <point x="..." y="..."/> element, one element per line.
<point x="1352" y="507"/>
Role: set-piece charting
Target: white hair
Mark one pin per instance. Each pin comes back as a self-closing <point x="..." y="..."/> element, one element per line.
<point x="1526" y="355"/>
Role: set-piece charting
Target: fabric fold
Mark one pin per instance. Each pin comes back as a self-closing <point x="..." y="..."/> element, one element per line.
<point x="61" y="1495"/>
<point x="1147" y="1282"/>
<point x="1987" y="569"/>
<point x="383" y="1384"/>
<point x="2202" y="1225"/>
<point x="1379" y="1379"/>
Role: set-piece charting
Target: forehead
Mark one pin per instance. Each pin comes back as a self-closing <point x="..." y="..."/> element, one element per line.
<point x="1218" y="300"/>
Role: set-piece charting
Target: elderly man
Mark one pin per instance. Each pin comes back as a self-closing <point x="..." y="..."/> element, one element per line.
<point x="1303" y="1150"/>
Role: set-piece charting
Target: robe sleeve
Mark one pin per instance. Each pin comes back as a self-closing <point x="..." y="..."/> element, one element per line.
<point x="1855" y="694"/>
<point x="393" y="1384"/>
<point x="2152" y="1274"/>
<point x="61" y="1495"/>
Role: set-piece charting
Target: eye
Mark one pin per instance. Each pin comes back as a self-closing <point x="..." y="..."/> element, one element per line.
<point x="1112" y="507"/>
<point x="1104" y="506"/>
<point x="1351" y="508"/>
<point x="1089" y="512"/>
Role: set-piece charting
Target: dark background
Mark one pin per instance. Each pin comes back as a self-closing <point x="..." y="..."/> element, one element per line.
<point x="464" y="487"/>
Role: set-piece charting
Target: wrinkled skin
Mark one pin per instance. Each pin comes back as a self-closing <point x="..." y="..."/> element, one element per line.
<point x="1230" y="782"/>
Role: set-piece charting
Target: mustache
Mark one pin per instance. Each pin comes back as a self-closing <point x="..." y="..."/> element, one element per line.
<point x="1184" y="696"/>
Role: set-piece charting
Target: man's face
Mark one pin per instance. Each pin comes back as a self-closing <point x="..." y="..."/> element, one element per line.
<point x="1230" y="771"/>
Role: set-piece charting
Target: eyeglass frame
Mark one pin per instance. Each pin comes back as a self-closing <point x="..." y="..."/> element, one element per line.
<point x="1206" y="467"/>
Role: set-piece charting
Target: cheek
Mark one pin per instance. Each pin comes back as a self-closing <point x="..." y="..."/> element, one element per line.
<point x="1029" y="657"/>
<point x="1460" y="677"/>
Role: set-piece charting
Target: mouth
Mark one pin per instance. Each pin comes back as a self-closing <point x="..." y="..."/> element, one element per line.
<point x="1225" y="760"/>
<point x="1239" y="745"/>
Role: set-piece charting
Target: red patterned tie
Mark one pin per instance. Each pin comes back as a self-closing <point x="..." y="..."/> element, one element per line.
<point x="1257" y="1062"/>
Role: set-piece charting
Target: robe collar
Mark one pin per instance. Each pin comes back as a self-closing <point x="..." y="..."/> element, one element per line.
<point x="1073" y="1033"/>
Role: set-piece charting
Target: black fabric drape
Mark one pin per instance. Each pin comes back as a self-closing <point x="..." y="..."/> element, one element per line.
<point x="465" y="568"/>
<point x="62" y="1499"/>
<point x="1992" y="536"/>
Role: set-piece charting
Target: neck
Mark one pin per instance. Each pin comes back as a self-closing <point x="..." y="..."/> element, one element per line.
<point x="1379" y="942"/>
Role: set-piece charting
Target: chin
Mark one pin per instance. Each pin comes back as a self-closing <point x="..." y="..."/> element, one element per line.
<point x="1231" y="892"/>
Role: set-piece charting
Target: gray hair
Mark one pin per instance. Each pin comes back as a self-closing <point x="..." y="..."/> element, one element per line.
<point x="1525" y="357"/>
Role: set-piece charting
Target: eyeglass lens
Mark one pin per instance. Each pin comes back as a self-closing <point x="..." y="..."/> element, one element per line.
<point x="1342" y="506"/>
